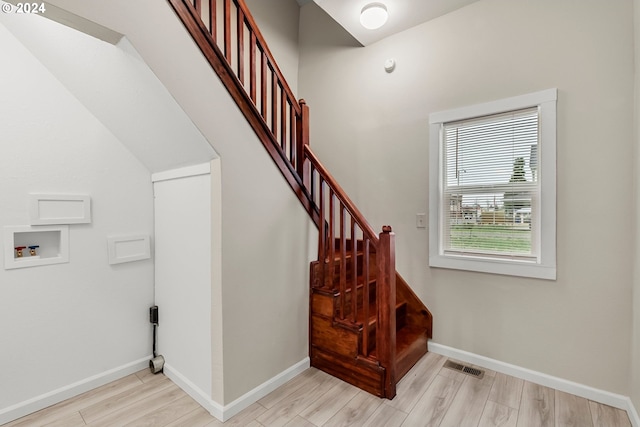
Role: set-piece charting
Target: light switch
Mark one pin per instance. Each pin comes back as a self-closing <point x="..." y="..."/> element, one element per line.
<point x="421" y="220"/>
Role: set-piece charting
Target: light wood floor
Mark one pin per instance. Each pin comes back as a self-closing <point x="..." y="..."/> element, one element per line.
<point x="429" y="395"/>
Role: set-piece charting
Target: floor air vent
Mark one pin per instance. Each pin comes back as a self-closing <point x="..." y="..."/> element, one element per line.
<point x="477" y="373"/>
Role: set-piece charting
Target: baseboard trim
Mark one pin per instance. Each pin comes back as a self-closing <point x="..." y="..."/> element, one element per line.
<point x="633" y="414"/>
<point x="42" y="401"/>
<point x="223" y="413"/>
<point x="265" y="388"/>
<point x="601" y="396"/>
<point x="199" y="395"/>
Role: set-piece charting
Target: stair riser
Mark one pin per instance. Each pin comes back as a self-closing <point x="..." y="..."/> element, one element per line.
<point x="410" y="357"/>
<point x="401" y="309"/>
<point x="401" y="317"/>
<point x="328" y="336"/>
<point x="333" y="274"/>
<point x="349" y="245"/>
<point x="327" y="306"/>
<point x="328" y="303"/>
<point x="365" y="376"/>
<point x="332" y="280"/>
<point x="360" y="299"/>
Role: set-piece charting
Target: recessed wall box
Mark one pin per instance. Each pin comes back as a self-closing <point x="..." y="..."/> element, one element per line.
<point x="128" y="248"/>
<point x="45" y="209"/>
<point x="47" y="245"/>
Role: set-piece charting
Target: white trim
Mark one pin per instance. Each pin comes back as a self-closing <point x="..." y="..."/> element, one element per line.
<point x="545" y="268"/>
<point x="29" y="406"/>
<point x="199" y="395"/>
<point x="601" y="396"/>
<point x="494" y="265"/>
<point x="494" y="107"/>
<point x="633" y="414"/>
<point x="223" y="413"/>
<point x="265" y="388"/>
<point x="52" y="250"/>
<point x="67" y="210"/>
<point x="122" y="249"/>
<point x="195" y="170"/>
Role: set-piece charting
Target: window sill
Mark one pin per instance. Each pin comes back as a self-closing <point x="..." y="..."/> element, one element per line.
<point x="494" y="266"/>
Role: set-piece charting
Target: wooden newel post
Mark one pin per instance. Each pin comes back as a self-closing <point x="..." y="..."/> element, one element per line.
<point x="302" y="139"/>
<point x="386" y="288"/>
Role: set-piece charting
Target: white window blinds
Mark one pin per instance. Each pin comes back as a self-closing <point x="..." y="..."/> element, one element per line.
<point x="490" y="192"/>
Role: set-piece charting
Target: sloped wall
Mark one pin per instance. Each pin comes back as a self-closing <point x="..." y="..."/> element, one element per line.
<point x="118" y="88"/>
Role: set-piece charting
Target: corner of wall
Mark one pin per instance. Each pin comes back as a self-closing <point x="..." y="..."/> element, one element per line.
<point x="217" y="362"/>
<point x="635" y="330"/>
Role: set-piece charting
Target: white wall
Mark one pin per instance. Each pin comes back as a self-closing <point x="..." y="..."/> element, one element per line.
<point x="62" y="324"/>
<point x="183" y="273"/>
<point x="371" y="129"/>
<point x="265" y="231"/>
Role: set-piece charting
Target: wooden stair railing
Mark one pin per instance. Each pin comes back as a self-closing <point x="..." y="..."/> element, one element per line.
<point x="354" y="307"/>
<point x="231" y="42"/>
<point x="344" y="222"/>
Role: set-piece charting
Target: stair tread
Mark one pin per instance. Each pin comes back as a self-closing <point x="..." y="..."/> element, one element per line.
<point x="335" y="291"/>
<point x="360" y="283"/>
<point x="407" y="338"/>
<point x="373" y="312"/>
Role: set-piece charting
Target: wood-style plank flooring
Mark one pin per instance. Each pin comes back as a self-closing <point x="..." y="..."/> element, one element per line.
<point x="429" y="395"/>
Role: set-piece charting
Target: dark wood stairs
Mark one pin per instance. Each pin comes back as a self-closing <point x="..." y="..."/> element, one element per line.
<point x="347" y="349"/>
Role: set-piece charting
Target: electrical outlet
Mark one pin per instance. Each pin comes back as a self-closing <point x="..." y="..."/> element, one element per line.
<point x="421" y="220"/>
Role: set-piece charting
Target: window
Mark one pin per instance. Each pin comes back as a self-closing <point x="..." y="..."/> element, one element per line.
<point x="492" y="187"/>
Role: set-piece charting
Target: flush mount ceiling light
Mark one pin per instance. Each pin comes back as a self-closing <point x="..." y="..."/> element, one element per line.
<point x="373" y="16"/>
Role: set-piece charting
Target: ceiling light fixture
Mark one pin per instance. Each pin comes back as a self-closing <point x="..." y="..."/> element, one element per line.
<point x="373" y="16"/>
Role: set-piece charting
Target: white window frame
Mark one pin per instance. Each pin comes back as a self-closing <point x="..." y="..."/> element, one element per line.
<point x="545" y="266"/>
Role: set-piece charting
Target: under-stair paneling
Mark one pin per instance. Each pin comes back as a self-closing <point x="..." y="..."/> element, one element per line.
<point x="183" y="275"/>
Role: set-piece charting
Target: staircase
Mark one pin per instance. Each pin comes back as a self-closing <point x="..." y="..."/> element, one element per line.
<point x="366" y="326"/>
<point x="346" y="316"/>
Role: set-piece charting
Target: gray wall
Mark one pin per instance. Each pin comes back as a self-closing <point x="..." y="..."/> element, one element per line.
<point x="278" y="23"/>
<point x="371" y="130"/>
<point x="635" y="355"/>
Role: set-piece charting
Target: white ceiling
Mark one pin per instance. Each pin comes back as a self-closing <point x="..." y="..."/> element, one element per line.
<point x="403" y="14"/>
